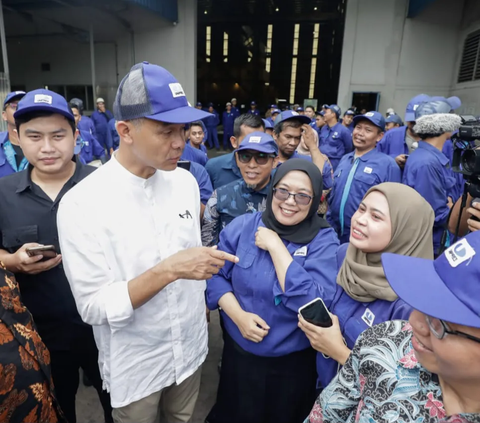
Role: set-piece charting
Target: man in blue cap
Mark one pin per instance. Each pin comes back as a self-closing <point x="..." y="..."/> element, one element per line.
<point x="319" y="122"/>
<point x="235" y="109"/>
<point x="358" y="171"/>
<point x="133" y="255"/>
<point x="301" y="111"/>
<point x="347" y="121"/>
<point x="273" y="115"/>
<point x="227" y="120"/>
<point x="100" y="118"/>
<point x="28" y="220"/>
<point x="85" y="123"/>
<point x="224" y="169"/>
<point x="199" y="105"/>
<point x="268" y="127"/>
<point x="256" y="158"/>
<point x="393" y="121"/>
<point x="211" y="123"/>
<point x="253" y="109"/>
<point x="12" y="158"/>
<point x="428" y="169"/>
<point x="335" y="139"/>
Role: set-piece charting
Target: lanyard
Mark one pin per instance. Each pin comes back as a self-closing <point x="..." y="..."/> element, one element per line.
<point x="11" y="154"/>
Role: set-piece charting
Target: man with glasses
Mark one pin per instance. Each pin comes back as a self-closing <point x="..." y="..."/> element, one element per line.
<point x="256" y="157"/>
<point x="12" y="158"/>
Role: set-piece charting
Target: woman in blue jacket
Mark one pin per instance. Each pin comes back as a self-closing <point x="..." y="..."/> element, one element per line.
<point x="287" y="257"/>
<point x="392" y="218"/>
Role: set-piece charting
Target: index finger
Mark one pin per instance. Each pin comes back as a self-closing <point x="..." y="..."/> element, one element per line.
<point x="222" y="255"/>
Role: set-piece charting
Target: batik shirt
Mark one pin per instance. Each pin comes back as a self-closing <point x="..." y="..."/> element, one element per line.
<point x="227" y="203"/>
<point x="382" y="381"/>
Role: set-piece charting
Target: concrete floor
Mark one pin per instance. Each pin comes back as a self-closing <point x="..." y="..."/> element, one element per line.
<point x="89" y="409"/>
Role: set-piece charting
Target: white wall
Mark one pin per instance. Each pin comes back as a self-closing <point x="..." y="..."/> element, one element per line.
<point x="399" y="57"/>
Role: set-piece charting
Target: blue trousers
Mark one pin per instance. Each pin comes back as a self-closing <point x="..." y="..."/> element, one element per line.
<point x="212" y="139"/>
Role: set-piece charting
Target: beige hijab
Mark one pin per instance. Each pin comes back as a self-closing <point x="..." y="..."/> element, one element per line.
<point x="361" y="274"/>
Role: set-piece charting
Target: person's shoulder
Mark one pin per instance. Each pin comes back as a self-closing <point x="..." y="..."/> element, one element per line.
<point x="10" y="182"/>
<point x="229" y="187"/>
<point x="219" y="161"/>
<point x="385" y="158"/>
<point x="395" y="132"/>
<point x="326" y="235"/>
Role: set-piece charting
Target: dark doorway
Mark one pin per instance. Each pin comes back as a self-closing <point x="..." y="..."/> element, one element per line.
<point x="367" y="101"/>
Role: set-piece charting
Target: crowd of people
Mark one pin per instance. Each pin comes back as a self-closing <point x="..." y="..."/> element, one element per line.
<point x="114" y="268"/>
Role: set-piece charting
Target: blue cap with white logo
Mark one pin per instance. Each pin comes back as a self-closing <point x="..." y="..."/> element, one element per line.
<point x="335" y="108"/>
<point x="275" y="111"/>
<point x="375" y="117"/>
<point x="439" y="288"/>
<point x="300" y="109"/>
<point x="268" y="124"/>
<point x="412" y="106"/>
<point x="150" y="91"/>
<point x="259" y="141"/>
<point x="42" y="100"/>
<point x="290" y="114"/>
<point x="15" y="95"/>
<point x="199" y="104"/>
<point x="349" y="113"/>
<point x="253" y="103"/>
<point x="393" y="118"/>
<point x="273" y="106"/>
<point x="320" y="113"/>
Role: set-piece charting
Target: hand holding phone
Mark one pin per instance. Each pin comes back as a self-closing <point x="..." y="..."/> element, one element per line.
<point x="47" y="251"/>
<point x="316" y="313"/>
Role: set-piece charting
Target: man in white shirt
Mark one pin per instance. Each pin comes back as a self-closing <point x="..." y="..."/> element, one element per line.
<point x="130" y="238"/>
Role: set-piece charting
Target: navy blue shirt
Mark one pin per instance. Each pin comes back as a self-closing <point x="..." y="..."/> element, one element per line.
<point x="373" y="169"/>
<point x="212" y="121"/>
<point x="194" y="155"/>
<point x="254" y="283"/>
<point x="335" y="142"/>
<point x="86" y="124"/>
<point x="223" y="170"/>
<point x="393" y="142"/>
<point x="91" y="148"/>
<point x="227" y="121"/>
<point x="101" y="119"/>
<point x="254" y="112"/>
<point x="203" y="181"/>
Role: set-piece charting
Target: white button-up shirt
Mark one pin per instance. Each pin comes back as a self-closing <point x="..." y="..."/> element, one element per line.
<point x="114" y="226"/>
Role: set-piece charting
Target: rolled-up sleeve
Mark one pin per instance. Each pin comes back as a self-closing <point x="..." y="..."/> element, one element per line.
<point x="316" y="277"/>
<point x="99" y="297"/>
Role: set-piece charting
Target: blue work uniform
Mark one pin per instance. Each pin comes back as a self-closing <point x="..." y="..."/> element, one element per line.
<point x="393" y="142"/>
<point x="114" y="134"/>
<point x="428" y="172"/>
<point x="86" y="124"/>
<point x="223" y="170"/>
<point x="327" y="173"/>
<point x="228" y="202"/>
<point x="351" y="180"/>
<point x="457" y="190"/>
<point x="203" y="181"/>
<point x="235" y="111"/>
<point x="254" y="283"/>
<point x="254" y="112"/>
<point x="90" y="147"/>
<point x="8" y="161"/>
<point x="194" y="155"/>
<point x="101" y="120"/>
<point x="202" y="148"/>
<point x="355" y="317"/>
<point x="211" y="122"/>
<point x="335" y="142"/>
<point x="228" y="120"/>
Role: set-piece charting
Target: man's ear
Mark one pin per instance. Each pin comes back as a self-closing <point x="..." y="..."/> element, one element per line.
<point x="125" y="130"/>
<point x="233" y="141"/>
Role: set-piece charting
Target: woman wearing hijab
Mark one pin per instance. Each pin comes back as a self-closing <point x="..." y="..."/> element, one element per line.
<point x="391" y="218"/>
<point x="287" y="257"/>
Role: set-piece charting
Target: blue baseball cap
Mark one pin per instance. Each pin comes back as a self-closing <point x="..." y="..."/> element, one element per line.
<point x="259" y="141"/>
<point x="335" y="108"/>
<point x="42" y="100"/>
<point x="15" y="95"/>
<point x="412" y="106"/>
<point x="275" y="111"/>
<point x="150" y="91"/>
<point x="300" y="109"/>
<point x="446" y="288"/>
<point x="268" y="124"/>
<point x="273" y="106"/>
<point x="349" y="112"/>
<point x="290" y="114"/>
<point x="432" y="107"/>
<point x="393" y="118"/>
<point x="320" y="113"/>
<point x="375" y="117"/>
<point x="454" y="102"/>
<point x="253" y="103"/>
<point x="199" y="104"/>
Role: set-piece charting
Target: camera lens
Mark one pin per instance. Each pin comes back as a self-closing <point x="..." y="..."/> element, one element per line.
<point x="468" y="161"/>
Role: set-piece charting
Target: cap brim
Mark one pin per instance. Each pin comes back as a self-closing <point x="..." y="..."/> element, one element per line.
<point x="410" y="117"/>
<point x="356" y="119"/>
<point x="301" y="118"/>
<point x="416" y="282"/>
<point x="43" y="108"/>
<point x="13" y="97"/>
<point x="259" y="148"/>
<point x="184" y="114"/>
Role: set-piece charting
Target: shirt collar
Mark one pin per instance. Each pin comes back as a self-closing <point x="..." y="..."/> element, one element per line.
<point x="435" y="151"/>
<point x="124" y="173"/>
<point x="368" y="155"/>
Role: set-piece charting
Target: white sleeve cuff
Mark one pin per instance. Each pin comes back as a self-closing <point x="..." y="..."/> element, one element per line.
<point x="118" y="305"/>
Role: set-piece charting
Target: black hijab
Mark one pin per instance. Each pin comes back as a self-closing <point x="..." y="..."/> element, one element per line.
<point x="307" y="229"/>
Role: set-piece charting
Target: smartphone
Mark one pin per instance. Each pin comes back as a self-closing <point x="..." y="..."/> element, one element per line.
<point x="184" y="164"/>
<point x="316" y="312"/>
<point x="47" y="251"/>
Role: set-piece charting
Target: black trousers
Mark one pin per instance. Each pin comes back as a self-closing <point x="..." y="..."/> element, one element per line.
<point x="65" y="373"/>
<point x="257" y="389"/>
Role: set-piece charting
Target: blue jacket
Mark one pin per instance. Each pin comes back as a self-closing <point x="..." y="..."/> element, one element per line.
<point x="212" y="121"/>
<point x="5" y="167"/>
<point x="223" y="170"/>
<point x="90" y="147"/>
<point x="428" y="172"/>
<point x="236" y="111"/>
<point x="102" y="129"/>
<point x="227" y="120"/>
<point x="86" y="124"/>
<point x="254" y="282"/>
<point x="373" y="169"/>
<point x="203" y="180"/>
<point x="335" y="142"/>
<point x="114" y="134"/>
<point x="194" y="155"/>
<point x="393" y="142"/>
<point x="254" y="112"/>
<point x="457" y="190"/>
<point x="354" y="318"/>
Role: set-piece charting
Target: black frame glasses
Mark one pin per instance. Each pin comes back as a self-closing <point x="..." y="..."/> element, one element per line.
<point x="442" y="331"/>
<point x="260" y="158"/>
<point x="283" y="195"/>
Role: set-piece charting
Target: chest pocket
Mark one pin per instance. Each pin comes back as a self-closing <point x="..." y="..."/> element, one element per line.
<point x="369" y="179"/>
<point x="242" y="276"/>
<point x="353" y="328"/>
<point x="12" y="239"/>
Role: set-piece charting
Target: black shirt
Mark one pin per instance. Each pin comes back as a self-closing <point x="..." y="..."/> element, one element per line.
<point x="27" y="214"/>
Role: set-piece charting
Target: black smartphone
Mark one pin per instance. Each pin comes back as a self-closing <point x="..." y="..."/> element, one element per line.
<point x="47" y="251"/>
<point x="316" y="312"/>
<point x="184" y="164"/>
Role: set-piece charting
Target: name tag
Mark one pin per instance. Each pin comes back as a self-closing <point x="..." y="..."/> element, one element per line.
<point x="302" y="252"/>
<point x="368" y="169"/>
<point x="86" y="143"/>
<point x="368" y="317"/>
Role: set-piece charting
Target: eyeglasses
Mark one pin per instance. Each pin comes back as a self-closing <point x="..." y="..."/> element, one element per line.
<point x="283" y="195"/>
<point x="440" y="329"/>
<point x="260" y="158"/>
<point x="13" y="106"/>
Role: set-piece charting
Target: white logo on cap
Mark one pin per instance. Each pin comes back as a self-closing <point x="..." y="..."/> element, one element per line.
<point x="459" y="253"/>
<point x="256" y="140"/>
<point x="415" y="107"/>
<point x="177" y="90"/>
<point x="294" y="113"/>
<point x="19" y="92"/>
<point x="369" y="114"/>
<point x="43" y="98"/>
